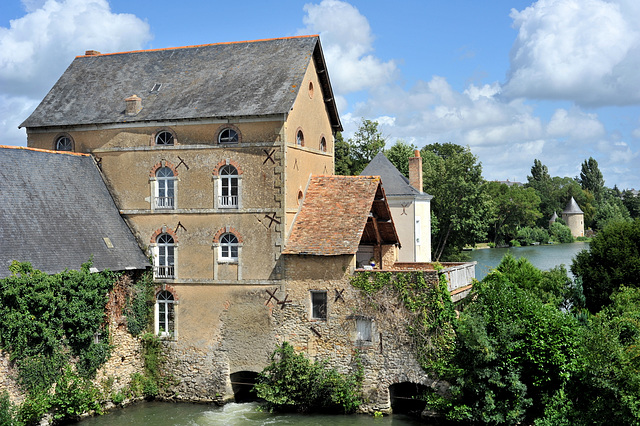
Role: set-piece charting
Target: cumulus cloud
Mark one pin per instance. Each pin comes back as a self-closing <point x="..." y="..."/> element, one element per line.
<point x="586" y="51"/>
<point x="576" y="125"/>
<point x="348" y="45"/>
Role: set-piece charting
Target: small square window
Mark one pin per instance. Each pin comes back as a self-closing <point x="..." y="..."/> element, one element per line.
<point x="319" y="305"/>
<point x="363" y="329"/>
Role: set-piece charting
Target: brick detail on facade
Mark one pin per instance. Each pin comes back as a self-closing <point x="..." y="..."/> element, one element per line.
<point x="225" y="230"/>
<point x="224" y="162"/>
<point x="161" y="164"/>
<point x="164" y="230"/>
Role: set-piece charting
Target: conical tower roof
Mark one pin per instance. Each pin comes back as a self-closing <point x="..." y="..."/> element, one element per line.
<point x="554" y="217"/>
<point x="572" y="208"/>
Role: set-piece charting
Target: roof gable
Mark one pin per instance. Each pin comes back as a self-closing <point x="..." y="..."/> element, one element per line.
<point x="338" y="214"/>
<point x="394" y="182"/>
<point x="254" y="78"/>
<point x="56" y="212"/>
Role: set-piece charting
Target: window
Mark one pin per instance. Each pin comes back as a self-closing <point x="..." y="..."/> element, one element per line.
<point x="165" y="314"/>
<point x="164" y="138"/>
<point x="164" y="257"/>
<point x="323" y="144"/>
<point x="228" y="248"/>
<point x="165" y="188"/>
<point x="64" y="143"/>
<point x="363" y="329"/>
<point x="300" y="138"/>
<point x="228" y="187"/>
<point x="228" y="135"/>
<point x="319" y="305"/>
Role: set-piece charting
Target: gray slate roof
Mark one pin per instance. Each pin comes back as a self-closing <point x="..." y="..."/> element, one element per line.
<point x="55" y="212"/>
<point x="253" y="78"/>
<point x="572" y="208"/>
<point x="394" y="182"/>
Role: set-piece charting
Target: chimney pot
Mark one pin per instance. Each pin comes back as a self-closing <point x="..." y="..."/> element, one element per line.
<point x="133" y="105"/>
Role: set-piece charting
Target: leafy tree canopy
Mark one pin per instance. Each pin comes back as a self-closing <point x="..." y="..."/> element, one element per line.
<point x="513" y="207"/>
<point x="399" y="155"/>
<point x="591" y="177"/>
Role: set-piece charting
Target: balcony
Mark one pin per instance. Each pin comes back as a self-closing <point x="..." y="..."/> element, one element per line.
<point x="228" y="201"/>
<point x="164" y="272"/>
<point x="165" y="202"/>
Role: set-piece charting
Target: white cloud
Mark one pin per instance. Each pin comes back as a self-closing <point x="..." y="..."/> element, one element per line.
<point x="575" y="124"/>
<point x="36" y="49"/>
<point x="587" y="51"/>
<point x="347" y="43"/>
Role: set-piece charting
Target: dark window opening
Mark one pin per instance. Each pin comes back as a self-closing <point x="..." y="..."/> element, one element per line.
<point x="319" y="305"/>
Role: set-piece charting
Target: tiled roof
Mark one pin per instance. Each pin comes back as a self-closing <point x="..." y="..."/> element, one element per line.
<point x="225" y="80"/>
<point x="56" y="211"/>
<point x="394" y="182"/>
<point x="339" y="213"/>
<point x="572" y="208"/>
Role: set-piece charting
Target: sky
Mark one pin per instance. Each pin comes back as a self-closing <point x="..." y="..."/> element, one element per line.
<point x="554" y="80"/>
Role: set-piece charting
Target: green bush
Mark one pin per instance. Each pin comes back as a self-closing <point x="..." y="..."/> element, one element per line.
<point x="293" y="383"/>
<point x="7" y="410"/>
<point x="139" y="309"/>
<point x="560" y="233"/>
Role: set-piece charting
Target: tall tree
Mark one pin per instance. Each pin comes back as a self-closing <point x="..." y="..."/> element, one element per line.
<point x="453" y="175"/>
<point x="399" y="155"/>
<point x="541" y="182"/>
<point x="591" y="178"/>
<point x="514" y="207"/>
<point x="366" y="143"/>
<point x="343" y="162"/>
<point x="632" y="203"/>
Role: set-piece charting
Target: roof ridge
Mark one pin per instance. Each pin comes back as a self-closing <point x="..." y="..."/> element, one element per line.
<point x="46" y="150"/>
<point x="198" y="45"/>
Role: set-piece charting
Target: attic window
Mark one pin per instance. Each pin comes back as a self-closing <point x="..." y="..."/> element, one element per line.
<point x="164" y="138"/>
<point x="228" y="135"/>
<point x="64" y="143"/>
<point x="156" y="87"/>
<point x="311" y="90"/>
<point x="300" y="138"/>
<point x="323" y="144"/>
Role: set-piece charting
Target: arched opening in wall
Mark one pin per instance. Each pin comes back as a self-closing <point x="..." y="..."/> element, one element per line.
<point x="242" y="384"/>
<point x="406" y="398"/>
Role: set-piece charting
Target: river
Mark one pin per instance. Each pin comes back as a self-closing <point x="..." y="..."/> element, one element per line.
<point x="542" y="257"/>
<point x="182" y="414"/>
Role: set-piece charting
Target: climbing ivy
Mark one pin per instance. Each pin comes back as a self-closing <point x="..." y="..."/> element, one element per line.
<point x="139" y="308"/>
<point x="429" y="308"/>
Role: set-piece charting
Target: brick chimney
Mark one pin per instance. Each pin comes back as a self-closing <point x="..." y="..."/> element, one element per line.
<point x="415" y="171"/>
<point x="134" y="105"/>
<point x="91" y="53"/>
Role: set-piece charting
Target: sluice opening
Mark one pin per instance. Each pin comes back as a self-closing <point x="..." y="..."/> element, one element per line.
<point x="242" y="384"/>
<point x="405" y="398"/>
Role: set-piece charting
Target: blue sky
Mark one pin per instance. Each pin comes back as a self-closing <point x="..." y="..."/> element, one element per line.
<point x="556" y="80"/>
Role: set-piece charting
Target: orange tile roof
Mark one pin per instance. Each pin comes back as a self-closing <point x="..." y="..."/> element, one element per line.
<point x="333" y="215"/>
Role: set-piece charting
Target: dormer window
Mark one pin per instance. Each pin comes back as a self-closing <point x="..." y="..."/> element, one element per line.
<point x="64" y="143"/>
<point x="164" y="138"/>
<point x="156" y="87"/>
<point x="228" y="135"/>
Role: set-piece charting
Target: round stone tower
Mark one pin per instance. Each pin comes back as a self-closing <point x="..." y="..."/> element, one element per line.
<point x="574" y="218"/>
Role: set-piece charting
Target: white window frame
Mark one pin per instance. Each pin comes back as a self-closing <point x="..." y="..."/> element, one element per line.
<point x="164" y="257"/>
<point x="228" y="248"/>
<point x="165" y="138"/>
<point x="229" y="180"/>
<point x="164" y="184"/>
<point x="316" y="305"/>
<point x="165" y="315"/>
<point x="228" y="135"/>
<point x="64" y="143"/>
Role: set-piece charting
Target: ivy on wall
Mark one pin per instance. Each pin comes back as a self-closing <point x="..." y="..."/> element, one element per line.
<point x="429" y="312"/>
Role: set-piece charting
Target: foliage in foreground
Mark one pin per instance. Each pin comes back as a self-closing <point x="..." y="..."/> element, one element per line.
<point x="293" y="383"/>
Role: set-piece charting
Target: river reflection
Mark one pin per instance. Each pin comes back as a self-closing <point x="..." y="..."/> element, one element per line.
<point x="180" y="414"/>
<point x="542" y="257"/>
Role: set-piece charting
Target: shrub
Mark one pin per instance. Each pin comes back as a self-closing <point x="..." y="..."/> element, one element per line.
<point x="293" y="383"/>
<point x="560" y="233"/>
<point x="7" y="410"/>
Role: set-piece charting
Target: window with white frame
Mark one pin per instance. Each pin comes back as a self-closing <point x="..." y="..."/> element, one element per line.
<point x="228" y="135"/>
<point x="165" y="188"/>
<point x="319" y="305"/>
<point x="64" y="143"/>
<point x="363" y="329"/>
<point x="165" y="318"/>
<point x="164" y="257"/>
<point x="229" y="187"/>
<point x="164" y="138"/>
<point x="228" y="248"/>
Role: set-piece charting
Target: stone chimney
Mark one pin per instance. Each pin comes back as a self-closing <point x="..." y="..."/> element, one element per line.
<point x="415" y="171"/>
<point x="134" y="105"/>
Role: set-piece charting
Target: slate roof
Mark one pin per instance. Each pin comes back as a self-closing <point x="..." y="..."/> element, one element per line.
<point x="335" y="217"/>
<point x="572" y="208"/>
<point x="251" y="78"/>
<point x="394" y="182"/>
<point x="55" y="212"/>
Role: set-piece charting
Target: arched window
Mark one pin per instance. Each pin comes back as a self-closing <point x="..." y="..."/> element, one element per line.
<point x="228" y="187"/>
<point x="228" y="135"/>
<point x="165" y="188"/>
<point x="300" y="138"/>
<point x="164" y="138"/>
<point x="228" y="248"/>
<point x="165" y="314"/>
<point x="64" y="143"/>
<point x="323" y="144"/>
<point x="164" y="258"/>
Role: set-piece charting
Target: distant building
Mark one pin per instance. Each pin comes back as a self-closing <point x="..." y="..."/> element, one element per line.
<point x="509" y="183"/>
<point x="574" y="218"/>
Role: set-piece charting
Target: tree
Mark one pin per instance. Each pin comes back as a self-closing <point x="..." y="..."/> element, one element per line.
<point x="453" y="175"/>
<point x="632" y="203"/>
<point x="515" y="207"/>
<point x="613" y="260"/>
<point x="399" y="155"/>
<point x="610" y="210"/>
<point x="366" y="143"/>
<point x="591" y="178"/>
<point x="344" y="162"/>
<point x="541" y="182"/>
